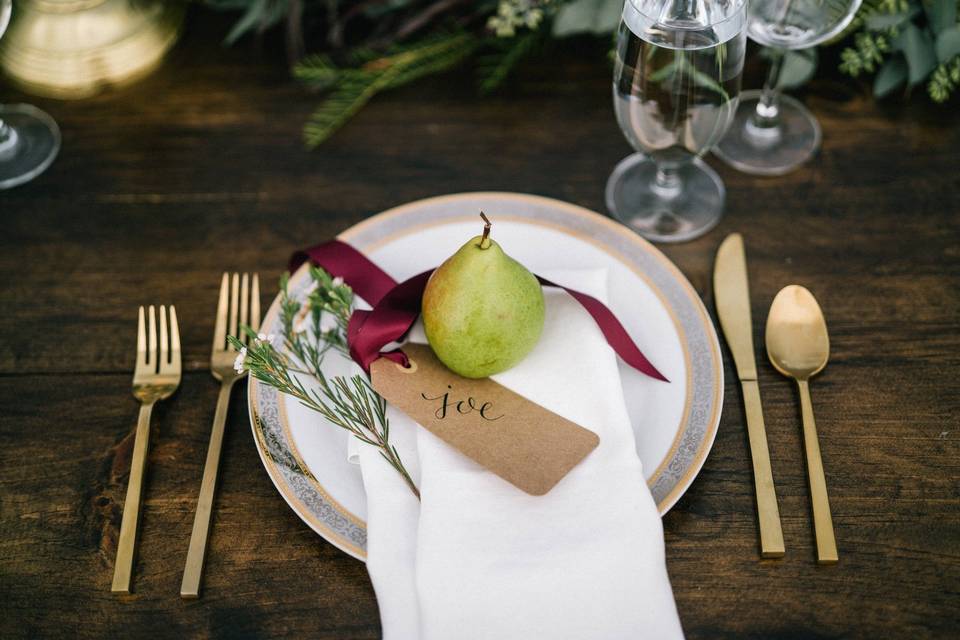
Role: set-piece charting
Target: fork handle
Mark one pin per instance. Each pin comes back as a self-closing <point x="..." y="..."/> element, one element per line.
<point x="822" y="521"/>
<point x="123" y="569"/>
<point x="193" y="570"/>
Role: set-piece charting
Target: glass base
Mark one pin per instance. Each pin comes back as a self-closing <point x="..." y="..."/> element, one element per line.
<point x="665" y="215"/>
<point x="774" y="151"/>
<point x="32" y="143"/>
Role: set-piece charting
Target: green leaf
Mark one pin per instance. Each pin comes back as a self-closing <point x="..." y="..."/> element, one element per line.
<point x="948" y="44"/>
<point x="919" y="52"/>
<point x="247" y="21"/>
<point x="942" y="15"/>
<point x="797" y="68"/>
<point x="891" y="75"/>
<point x="598" y="17"/>
<point x="882" y="21"/>
<point x="260" y="14"/>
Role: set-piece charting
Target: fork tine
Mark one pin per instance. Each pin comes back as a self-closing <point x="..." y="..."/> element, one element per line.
<point x="164" y="339"/>
<point x="174" y="366"/>
<point x="152" y="340"/>
<point x="141" y="340"/>
<point x="220" y="330"/>
<point x="255" y="303"/>
<point x="244" y="302"/>
<point x="234" y="303"/>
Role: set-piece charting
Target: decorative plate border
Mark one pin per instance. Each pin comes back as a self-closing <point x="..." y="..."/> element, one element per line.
<point x="701" y="416"/>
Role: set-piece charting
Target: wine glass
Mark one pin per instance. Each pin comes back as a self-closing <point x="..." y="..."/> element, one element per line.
<point x="675" y="88"/>
<point x="29" y="138"/>
<point x="773" y="134"/>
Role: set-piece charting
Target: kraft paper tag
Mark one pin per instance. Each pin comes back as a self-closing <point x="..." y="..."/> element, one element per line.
<point x="520" y="441"/>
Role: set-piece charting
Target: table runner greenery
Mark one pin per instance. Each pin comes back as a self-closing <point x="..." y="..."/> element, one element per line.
<point x="351" y="50"/>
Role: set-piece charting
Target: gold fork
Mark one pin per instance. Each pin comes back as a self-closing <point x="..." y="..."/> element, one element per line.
<point x="155" y="377"/>
<point x="244" y="305"/>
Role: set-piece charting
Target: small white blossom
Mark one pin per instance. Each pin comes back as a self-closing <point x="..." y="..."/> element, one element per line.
<point x="238" y="364"/>
<point x="270" y="338"/>
<point x="513" y="15"/>
<point x="338" y="281"/>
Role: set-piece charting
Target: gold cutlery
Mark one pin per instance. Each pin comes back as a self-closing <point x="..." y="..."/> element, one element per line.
<point x="799" y="347"/>
<point x="732" y="294"/>
<point x="239" y="302"/>
<point x="155" y="377"/>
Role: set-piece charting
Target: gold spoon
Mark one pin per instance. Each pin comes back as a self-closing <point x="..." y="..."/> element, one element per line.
<point x="798" y="346"/>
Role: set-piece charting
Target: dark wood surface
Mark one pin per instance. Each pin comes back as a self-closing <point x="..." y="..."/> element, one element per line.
<point x="199" y="169"/>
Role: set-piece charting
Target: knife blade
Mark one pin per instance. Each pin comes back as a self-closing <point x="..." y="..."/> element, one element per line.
<point x="731" y="292"/>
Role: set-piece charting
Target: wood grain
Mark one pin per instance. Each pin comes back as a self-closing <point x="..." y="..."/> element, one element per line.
<point x="199" y="169"/>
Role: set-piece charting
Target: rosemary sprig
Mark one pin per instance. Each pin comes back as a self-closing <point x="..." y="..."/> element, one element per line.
<point x="310" y="330"/>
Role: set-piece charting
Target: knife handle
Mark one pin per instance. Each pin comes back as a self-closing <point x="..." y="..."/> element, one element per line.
<point x="771" y="535"/>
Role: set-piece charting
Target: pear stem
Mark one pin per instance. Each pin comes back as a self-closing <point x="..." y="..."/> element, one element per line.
<point x="484" y="240"/>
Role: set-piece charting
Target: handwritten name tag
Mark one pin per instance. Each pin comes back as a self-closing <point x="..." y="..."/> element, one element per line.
<point x="520" y="441"/>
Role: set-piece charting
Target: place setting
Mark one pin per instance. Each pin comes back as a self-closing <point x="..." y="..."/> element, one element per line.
<point x="492" y="398"/>
<point x="495" y="430"/>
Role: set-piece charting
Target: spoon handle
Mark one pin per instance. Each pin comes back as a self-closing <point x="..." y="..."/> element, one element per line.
<point x="822" y="521"/>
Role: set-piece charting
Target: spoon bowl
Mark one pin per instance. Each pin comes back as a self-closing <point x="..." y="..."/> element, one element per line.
<point x="797" y="340"/>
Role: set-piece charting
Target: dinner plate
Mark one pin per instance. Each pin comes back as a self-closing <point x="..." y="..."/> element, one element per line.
<point x="675" y="423"/>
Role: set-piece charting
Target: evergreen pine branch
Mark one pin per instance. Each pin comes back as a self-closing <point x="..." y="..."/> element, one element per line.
<point x="434" y="56"/>
<point x="353" y="92"/>
<point x="317" y="72"/>
<point x="353" y="88"/>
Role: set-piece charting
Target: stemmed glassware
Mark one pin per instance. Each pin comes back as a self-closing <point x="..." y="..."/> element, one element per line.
<point x="29" y="138"/>
<point x="773" y="134"/>
<point x="675" y="89"/>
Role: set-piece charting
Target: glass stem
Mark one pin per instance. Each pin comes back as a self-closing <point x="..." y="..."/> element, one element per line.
<point x="767" y="114"/>
<point x="667" y="183"/>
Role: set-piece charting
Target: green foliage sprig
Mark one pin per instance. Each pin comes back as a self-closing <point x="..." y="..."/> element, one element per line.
<point x="907" y="43"/>
<point x="352" y="87"/>
<point x="310" y="330"/>
<point x="373" y="46"/>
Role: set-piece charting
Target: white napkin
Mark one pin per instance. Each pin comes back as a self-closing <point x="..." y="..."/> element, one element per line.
<point x="479" y="558"/>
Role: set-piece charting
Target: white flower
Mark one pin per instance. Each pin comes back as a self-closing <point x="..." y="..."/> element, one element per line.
<point x="238" y="364"/>
<point x="338" y="281"/>
<point x="270" y="338"/>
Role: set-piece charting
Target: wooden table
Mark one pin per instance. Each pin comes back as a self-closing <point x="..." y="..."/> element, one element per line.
<point x="199" y="169"/>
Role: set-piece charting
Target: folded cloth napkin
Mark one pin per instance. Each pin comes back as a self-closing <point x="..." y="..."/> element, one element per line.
<point x="478" y="558"/>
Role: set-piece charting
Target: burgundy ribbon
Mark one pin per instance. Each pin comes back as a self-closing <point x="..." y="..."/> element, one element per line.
<point x="397" y="306"/>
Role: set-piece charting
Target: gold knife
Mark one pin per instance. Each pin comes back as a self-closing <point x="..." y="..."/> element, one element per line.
<point x="732" y="295"/>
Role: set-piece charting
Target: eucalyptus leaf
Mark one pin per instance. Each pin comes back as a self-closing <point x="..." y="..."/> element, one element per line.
<point x="247" y="21"/>
<point x="883" y="21"/>
<point x="891" y="75"/>
<point x="919" y="52"/>
<point x="942" y="15"/>
<point x="948" y="44"/>
<point x="797" y="68"/>
<point x="587" y="16"/>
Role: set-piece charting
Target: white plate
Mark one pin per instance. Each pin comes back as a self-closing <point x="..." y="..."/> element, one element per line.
<point x="675" y="423"/>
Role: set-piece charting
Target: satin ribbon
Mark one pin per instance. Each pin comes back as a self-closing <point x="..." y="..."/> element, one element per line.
<point x="397" y="306"/>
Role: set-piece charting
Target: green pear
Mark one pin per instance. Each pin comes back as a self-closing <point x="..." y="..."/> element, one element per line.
<point x="482" y="310"/>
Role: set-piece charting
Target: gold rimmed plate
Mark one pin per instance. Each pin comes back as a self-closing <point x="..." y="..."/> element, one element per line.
<point x="675" y="424"/>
